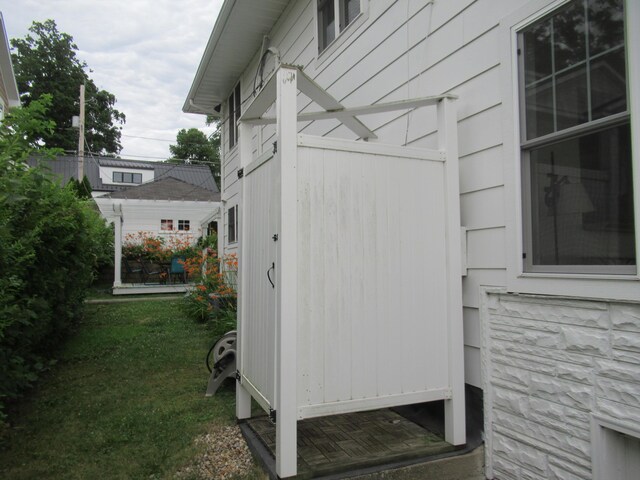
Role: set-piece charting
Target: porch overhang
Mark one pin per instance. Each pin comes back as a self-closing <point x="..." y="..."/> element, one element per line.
<point x="236" y="37"/>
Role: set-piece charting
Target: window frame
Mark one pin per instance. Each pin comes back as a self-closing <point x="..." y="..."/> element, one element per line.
<point x="234" y="109"/>
<point x="341" y="32"/>
<point x="166" y="222"/>
<point x="528" y="145"/>
<point x="182" y="224"/>
<point x="616" y="286"/>
<point x="232" y="224"/>
<point x="126" y="177"/>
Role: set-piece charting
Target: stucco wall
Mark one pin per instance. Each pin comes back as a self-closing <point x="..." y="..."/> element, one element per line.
<point x="549" y="364"/>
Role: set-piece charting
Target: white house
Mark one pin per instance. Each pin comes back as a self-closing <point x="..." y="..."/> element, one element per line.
<point x="162" y="199"/>
<point x="549" y="166"/>
<point x="9" y="96"/>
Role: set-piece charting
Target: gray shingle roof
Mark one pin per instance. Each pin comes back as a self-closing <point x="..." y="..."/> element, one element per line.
<point x="66" y="167"/>
<point x="167" y="188"/>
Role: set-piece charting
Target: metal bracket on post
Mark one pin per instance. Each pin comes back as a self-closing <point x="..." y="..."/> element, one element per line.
<point x="273" y="416"/>
<point x="240" y="172"/>
<point x="275" y="147"/>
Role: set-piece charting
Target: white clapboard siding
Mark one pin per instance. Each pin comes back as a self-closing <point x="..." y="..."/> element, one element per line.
<point x="406" y="49"/>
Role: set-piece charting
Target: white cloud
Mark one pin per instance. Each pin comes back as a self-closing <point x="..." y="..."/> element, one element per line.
<point x="145" y="52"/>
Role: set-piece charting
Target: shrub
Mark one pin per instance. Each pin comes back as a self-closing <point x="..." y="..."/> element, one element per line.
<point x="51" y="243"/>
<point x="214" y="293"/>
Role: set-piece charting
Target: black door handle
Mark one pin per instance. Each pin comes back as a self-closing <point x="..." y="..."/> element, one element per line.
<point x="272" y="267"/>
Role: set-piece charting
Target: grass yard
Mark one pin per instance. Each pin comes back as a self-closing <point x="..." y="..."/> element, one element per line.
<point x="126" y="399"/>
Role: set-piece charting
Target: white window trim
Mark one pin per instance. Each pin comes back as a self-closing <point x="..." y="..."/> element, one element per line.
<point x="341" y="37"/>
<point x="231" y="148"/>
<point x="606" y="286"/>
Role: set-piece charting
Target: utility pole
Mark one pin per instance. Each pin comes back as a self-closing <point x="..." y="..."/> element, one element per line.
<point x="81" y="136"/>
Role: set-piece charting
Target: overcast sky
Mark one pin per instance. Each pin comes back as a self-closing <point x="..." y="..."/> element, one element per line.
<point x="145" y="52"/>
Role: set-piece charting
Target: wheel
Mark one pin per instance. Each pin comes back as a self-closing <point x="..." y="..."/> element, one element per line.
<point x="224" y="343"/>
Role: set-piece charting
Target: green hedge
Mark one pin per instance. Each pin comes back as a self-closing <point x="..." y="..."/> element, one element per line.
<point x="50" y="245"/>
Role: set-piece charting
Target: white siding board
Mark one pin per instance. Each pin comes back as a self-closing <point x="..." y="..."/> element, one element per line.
<point x="486" y="248"/>
<point x="472" y="334"/>
<point x="480" y="277"/>
<point x="480" y="170"/>
<point x="444" y="12"/>
<point x="479" y="133"/>
<point x="472" y="366"/>
<point x="483" y="208"/>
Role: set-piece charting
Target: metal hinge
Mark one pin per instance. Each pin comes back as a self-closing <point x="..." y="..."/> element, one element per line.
<point x="524" y="255"/>
<point x="238" y="376"/>
<point x="275" y="237"/>
<point x="273" y="416"/>
<point x="275" y="147"/>
<point x="240" y="172"/>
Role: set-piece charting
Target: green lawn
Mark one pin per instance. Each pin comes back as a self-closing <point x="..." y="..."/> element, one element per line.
<point x="126" y="399"/>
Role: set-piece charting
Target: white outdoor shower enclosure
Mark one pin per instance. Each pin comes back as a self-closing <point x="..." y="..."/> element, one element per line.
<point x="350" y="268"/>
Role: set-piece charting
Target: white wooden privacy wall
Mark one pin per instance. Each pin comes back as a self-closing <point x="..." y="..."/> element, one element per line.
<point x="350" y="287"/>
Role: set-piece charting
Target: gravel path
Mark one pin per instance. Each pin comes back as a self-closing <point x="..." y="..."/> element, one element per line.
<point x="224" y="456"/>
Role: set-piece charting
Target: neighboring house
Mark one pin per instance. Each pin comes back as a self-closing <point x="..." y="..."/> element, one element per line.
<point x="9" y="96"/>
<point x="548" y="120"/>
<point x="163" y="199"/>
<point x="165" y="207"/>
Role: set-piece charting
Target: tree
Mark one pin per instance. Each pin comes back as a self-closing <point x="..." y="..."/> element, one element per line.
<point x="193" y="146"/>
<point x="45" y="62"/>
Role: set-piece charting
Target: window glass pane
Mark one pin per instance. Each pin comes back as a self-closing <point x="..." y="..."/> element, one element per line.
<point x="137" y="178"/>
<point x="606" y="25"/>
<point x="232" y="225"/>
<point x="569" y="32"/>
<point x="326" y="23"/>
<point x="117" y="177"/>
<point x="582" y="201"/>
<point x="350" y="10"/>
<point x="539" y="109"/>
<point x="572" y="106"/>
<point x="166" y="224"/>
<point x="537" y="51"/>
<point x="235" y="110"/>
<point x="608" y="84"/>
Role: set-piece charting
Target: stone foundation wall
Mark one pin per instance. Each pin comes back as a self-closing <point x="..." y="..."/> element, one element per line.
<point x="549" y="364"/>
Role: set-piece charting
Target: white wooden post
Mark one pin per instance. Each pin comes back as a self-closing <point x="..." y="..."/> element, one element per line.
<point x="117" y="246"/>
<point x="455" y="429"/>
<point x="286" y="275"/>
<point x="243" y="398"/>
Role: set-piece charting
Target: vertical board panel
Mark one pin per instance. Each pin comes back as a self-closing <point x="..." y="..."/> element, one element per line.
<point x="259" y="318"/>
<point x="371" y="274"/>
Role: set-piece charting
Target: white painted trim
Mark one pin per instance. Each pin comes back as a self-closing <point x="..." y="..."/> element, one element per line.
<point x="255" y="393"/>
<point x="347" y="406"/>
<point x="342" y="113"/>
<point x="328" y="143"/>
<point x="341" y="37"/>
<point x="257" y="163"/>
<point x="135" y="289"/>
<point x="486" y="372"/>
<point x="243" y="395"/>
<point x="455" y="425"/>
<point x="598" y="443"/>
<point x="463" y="252"/>
<point x="286" y="275"/>
<point x="606" y="286"/>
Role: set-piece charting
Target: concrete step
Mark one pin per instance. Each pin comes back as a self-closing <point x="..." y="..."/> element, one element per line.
<point x="469" y="466"/>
